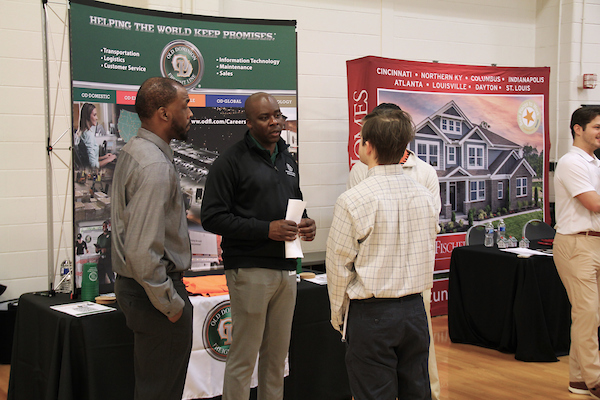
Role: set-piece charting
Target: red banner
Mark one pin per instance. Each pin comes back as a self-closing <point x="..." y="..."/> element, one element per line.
<point x="484" y="129"/>
<point x="367" y="75"/>
<point x="444" y="245"/>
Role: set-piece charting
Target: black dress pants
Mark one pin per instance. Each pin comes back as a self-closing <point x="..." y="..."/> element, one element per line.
<point x="161" y="348"/>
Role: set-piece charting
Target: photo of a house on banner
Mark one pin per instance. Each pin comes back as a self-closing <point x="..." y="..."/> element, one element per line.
<point x="484" y="130"/>
<point x="476" y="167"/>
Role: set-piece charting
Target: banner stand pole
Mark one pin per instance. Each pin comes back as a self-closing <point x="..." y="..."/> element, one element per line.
<point x="49" y="187"/>
<point x="52" y="255"/>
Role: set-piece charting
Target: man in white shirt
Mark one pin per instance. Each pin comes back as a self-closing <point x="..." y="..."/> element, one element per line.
<point x="577" y="246"/>
<point x="413" y="166"/>
<point x="426" y="175"/>
<point x="380" y="255"/>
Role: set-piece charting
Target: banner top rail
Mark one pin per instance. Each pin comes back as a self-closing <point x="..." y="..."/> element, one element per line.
<point x="184" y="16"/>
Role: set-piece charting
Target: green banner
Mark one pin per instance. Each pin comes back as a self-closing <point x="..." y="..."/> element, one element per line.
<point x="123" y="45"/>
<point x="220" y="61"/>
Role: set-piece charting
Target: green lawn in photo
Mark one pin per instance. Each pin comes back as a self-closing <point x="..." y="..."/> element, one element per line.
<point x="514" y="224"/>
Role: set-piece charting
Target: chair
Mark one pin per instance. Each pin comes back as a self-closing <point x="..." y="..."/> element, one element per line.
<point x="475" y="235"/>
<point x="537" y="229"/>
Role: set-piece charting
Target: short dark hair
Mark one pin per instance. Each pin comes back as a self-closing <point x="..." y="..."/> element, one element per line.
<point x="85" y="116"/>
<point x="155" y="93"/>
<point x="583" y="116"/>
<point x="388" y="133"/>
<point x="386" y="107"/>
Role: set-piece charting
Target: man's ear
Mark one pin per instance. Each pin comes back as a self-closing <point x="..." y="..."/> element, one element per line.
<point x="369" y="149"/>
<point x="163" y="114"/>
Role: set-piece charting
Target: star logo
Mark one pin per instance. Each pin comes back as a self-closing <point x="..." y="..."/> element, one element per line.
<point x="529" y="117"/>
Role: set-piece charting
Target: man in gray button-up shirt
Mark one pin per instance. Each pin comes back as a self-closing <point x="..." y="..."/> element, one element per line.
<point x="151" y="245"/>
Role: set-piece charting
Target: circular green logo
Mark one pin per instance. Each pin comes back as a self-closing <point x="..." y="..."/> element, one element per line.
<point x="216" y="332"/>
<point x="181" y="61"/>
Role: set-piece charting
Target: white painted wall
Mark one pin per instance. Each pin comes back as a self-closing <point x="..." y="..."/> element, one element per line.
<point x="506" y="33"/>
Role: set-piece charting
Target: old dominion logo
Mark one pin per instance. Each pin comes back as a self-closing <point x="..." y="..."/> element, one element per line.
<point x="181" y="61"/>
<point x="216" y="332"/>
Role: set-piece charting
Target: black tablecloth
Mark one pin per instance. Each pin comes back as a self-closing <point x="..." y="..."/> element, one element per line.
<point x="56" y="356"/>
<point x="515" y="305"/>
<point x="317" y="367"/>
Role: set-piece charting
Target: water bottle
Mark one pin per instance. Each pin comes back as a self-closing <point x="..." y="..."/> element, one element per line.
<point x="501" y="229"/>
<point x="65" y="277"/>
<point x="524" y="243"/>
<point x="489" y="235"/>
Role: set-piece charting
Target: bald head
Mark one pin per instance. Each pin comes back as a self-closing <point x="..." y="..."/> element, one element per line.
<point x="252" y="103"/>
<point x="264" y="119"/>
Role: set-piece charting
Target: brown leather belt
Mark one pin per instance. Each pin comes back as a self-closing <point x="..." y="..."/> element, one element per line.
<point x="589" y="233"/>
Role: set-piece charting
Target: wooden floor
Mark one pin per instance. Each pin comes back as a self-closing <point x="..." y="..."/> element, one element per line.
<point x="4" y="375"/>
<point x="474" y="373"/>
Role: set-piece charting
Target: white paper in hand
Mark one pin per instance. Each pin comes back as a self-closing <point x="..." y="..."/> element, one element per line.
<point x="294" y="213"/>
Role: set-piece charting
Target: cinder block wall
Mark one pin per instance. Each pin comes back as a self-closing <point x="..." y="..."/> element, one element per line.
<point x="509" y="33"/>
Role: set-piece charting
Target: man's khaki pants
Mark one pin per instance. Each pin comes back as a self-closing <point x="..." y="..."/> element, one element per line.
<point x="262" y="309"/>
<point x="434" y="378"/>
<point x="577" y="259"/>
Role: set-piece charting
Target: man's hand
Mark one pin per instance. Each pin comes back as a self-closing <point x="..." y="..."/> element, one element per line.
<point x="176" y="317"/>
<point x="283" y="230"/>
<point x="307" y="229"/>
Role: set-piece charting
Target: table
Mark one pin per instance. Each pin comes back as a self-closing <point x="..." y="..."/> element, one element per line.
<point x="317" y="366"/>
<point x="8" y="315"/>
<point x="514" y="305"/>
<point x="56" y="356"/>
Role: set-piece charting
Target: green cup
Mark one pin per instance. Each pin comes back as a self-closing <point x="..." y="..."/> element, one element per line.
<point x="90" y="287"/>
